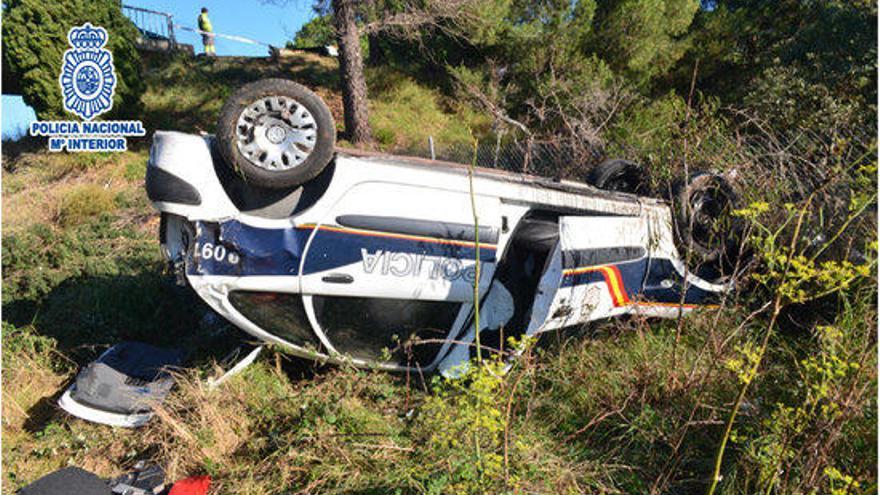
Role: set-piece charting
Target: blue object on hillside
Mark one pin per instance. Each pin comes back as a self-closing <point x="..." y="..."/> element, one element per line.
<point x="16" y="117"/>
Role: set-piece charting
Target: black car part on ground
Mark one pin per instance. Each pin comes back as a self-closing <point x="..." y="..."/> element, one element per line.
<point x="67" y="481"/>
<point x="146" y="478"/>
<point x="127" y="378"/>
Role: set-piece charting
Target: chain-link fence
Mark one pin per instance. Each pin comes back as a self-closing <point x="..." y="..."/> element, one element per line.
<point x="791" y="164"/>
<point x="537" y="158"/>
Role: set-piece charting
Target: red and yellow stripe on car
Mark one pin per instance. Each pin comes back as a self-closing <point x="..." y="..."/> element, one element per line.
<point x="617" y="289"/>
<point x="613" y="280"/>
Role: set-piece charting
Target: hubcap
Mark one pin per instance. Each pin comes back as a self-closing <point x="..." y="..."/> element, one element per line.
<point x="276" y="133"/>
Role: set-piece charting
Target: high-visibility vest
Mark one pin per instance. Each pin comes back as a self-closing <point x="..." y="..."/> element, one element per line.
<point x="205" y="23"/>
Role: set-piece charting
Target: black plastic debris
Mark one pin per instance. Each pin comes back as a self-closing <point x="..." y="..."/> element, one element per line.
<point x="120" y="386"/>
<point x="68" y="481"/>
<point x="145" y="479"/>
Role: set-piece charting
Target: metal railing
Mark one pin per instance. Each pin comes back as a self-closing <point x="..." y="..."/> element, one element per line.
<point x="152" y="24"/>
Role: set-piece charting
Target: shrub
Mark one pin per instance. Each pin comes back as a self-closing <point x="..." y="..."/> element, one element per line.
<point x="84" y="202"/>
<point x="317" y="32"/>
<point x="34" y="62"/>
<point x="785" y="98"/>
<point x="650" y="130"/>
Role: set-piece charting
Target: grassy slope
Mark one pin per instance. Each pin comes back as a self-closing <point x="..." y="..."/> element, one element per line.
<point x="618" y="410"/>
<point x="186" y="94"/>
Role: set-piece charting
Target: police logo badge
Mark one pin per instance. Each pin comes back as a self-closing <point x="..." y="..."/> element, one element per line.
<point x="88" y="78"/>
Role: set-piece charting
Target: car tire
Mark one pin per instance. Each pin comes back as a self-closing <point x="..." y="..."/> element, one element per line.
<point x="276" y="133"/>
<point x="706" y="229"/>
<point x="618" y="175"/>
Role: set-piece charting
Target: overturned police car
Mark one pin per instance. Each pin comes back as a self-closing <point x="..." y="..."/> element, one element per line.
<point x="371" y="259"/>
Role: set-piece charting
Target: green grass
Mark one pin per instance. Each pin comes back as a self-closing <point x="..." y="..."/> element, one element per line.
<point x="403" y="114"/>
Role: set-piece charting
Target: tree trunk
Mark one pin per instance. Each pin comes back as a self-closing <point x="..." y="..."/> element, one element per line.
<point x="351" y="67"/>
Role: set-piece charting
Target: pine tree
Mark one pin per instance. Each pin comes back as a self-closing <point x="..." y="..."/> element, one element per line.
<point x="31" y="64"/>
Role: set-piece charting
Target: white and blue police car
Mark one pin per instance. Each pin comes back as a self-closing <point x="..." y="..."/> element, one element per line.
<point x="371" y="259"/>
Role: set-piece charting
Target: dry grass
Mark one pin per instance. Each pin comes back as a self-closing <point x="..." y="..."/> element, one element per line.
<point x="33" y="382"/>
<point x="36" y="190"/>
<point x="263" y="433"/>
<point x="37" y="438"/>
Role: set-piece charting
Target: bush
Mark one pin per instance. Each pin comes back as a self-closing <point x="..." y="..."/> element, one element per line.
<point x="317" y="32"/>
<point x="84" y="202"/>
<point x="37" y="259"/>
<point x="650" y="131"/>
<point x="785" y="99"/>
<point x="33" y="63"/>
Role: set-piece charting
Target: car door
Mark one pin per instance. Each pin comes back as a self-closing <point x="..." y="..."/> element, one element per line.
<point x="390" y="264"/>
<point x="596" y="271"/>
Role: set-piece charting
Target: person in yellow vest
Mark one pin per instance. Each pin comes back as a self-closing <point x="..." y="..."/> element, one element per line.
<point x="207" y="33"/>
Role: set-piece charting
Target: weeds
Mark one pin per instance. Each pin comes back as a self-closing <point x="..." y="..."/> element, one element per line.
<point x="464" y="421"/>
<point x="794" y="274"/>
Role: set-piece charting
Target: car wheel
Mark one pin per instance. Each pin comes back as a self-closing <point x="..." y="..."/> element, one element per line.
<point x="619" y="175"/>
<point x="706" y="226"/>
<point x="276" y="133"/>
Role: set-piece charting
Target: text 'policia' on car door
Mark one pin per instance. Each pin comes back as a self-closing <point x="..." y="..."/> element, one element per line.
<point x="385" y="269"/>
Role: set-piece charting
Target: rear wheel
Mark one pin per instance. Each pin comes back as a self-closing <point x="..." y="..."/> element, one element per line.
<point x="706" y="227"/>
<point x="276" y="133"/>
<point x="619" y="175"/>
